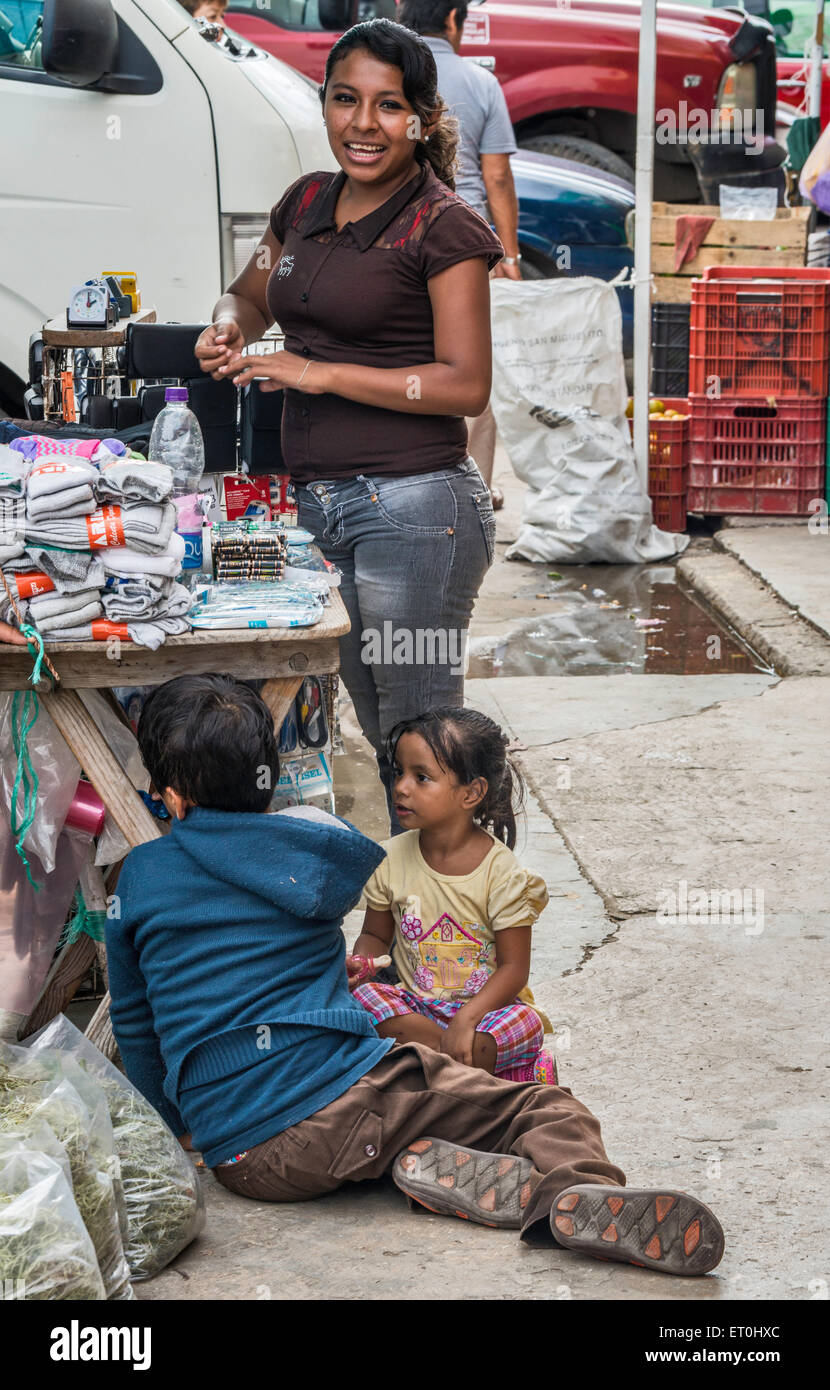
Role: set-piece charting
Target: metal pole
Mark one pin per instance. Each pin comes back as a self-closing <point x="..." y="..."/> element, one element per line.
<point x="643" y="189"/>
<point x="816" y="63"/>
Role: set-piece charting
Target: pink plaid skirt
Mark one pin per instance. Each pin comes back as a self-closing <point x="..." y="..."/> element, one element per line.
<point x="516" y="1029"/>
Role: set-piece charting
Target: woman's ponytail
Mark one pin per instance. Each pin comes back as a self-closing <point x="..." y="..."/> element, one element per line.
<point x="440" y="148"/>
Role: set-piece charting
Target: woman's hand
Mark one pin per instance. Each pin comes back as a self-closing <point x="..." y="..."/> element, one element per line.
<point x="217" y="345"/>
<point x="280" y="369"/>
<point x="458" y="1038"/>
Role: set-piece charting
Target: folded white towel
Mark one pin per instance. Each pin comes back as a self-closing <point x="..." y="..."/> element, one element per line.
<point x="49" y="605"/>
<point x="144" y="604"/>
<point x="143" y="634"/>
<point x="145" y="528"/>
<point x="59" y="621"/>
<point x="130" y="481"/>
<point x="70" y="501"/>
<point x="125" y="561"/>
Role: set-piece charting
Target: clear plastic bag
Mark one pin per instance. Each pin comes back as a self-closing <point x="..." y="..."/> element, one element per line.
<point x="748" y="204"/>
<point x="45" y="1248"/>
<point x="34" y="1089"/>
<point x="30" y="922"/>
<point x="57" y="771"/>
<point x="165" y="1208"/>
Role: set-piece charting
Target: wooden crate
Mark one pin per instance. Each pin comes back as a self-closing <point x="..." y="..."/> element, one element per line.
<point x="780" y="242"/>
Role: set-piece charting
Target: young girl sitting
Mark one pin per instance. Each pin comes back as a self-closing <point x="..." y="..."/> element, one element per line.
<point x="457" y="902"/>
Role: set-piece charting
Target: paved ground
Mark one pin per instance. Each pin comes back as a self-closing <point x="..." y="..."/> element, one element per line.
<point x="699" y="1044"/>
<point x="793" y="560"/>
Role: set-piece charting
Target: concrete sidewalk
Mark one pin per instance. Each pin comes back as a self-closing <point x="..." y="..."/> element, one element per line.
<point x="698" y="1043"/>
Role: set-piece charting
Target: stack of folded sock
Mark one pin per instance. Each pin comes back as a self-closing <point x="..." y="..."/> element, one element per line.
<point x="58" y="488"/>
<point x="88" y="545"/>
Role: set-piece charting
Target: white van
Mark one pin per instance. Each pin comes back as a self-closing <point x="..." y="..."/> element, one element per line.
<point x="130" y="141"/>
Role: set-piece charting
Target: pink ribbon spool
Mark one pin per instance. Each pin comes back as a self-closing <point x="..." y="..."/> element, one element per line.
<point x="87" y="811"/>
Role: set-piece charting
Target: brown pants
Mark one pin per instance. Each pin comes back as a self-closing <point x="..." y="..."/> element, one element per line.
<point x="413" y="1092"/>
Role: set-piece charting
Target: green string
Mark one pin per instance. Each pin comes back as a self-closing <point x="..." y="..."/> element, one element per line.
<point x="25" y="710"/>
<point x="83" y="921"/>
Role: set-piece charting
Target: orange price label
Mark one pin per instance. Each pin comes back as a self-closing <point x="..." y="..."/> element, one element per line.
<point x="105" y="528"/>
<point x="102" y="628"/>
<point x="30" y="584"/>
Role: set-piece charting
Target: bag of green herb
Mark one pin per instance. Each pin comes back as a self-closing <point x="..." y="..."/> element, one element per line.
<point x="45" y="1249"/>
<point x="163" y="1198"/>
<point x="86" y="1136"/>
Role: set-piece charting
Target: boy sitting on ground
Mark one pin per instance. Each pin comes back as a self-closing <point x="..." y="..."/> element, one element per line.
<point x="231" y="1007"/>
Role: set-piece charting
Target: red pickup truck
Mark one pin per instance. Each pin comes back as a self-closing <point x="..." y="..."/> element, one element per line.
<point x="569" y="73"/>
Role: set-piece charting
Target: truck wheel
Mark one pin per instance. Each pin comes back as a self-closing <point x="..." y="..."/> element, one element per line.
<point x="581" y="151"/>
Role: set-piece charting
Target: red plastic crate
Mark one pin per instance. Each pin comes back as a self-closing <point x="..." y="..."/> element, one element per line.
<point x="668" y="466"/>
<point x="756" y="457"/>
<point x="760" y="331"/>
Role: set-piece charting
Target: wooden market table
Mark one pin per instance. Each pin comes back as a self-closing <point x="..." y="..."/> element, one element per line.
<point x="280" y="656"/>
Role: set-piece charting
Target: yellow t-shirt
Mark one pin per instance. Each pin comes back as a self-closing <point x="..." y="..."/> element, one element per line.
<point x="445" y="924"/>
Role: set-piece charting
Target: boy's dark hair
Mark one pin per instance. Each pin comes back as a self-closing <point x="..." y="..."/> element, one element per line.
<point x="469" y="744"/>
<point x="210" y="738"/>
<point x="430" y="16"/>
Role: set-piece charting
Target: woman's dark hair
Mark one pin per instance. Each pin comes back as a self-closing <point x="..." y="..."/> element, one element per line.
<point x="469" y="744"/>
<point x="393" y="44"/>
<point x="212" y="739"/>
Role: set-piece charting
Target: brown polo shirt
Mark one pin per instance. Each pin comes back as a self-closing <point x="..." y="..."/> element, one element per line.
<point x="360" y="295"/>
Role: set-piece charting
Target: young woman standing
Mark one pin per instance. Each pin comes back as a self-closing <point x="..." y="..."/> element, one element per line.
<point x="378" y="276"/>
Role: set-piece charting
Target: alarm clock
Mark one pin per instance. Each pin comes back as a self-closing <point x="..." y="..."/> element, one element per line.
<point x="89" y="306"/>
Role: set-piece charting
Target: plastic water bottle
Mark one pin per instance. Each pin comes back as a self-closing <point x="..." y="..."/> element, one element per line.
<point x="176" y="440"/>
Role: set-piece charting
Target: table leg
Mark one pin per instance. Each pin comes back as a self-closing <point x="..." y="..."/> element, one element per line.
<point x="118" y="794"/>
<point x="279" y="695"/>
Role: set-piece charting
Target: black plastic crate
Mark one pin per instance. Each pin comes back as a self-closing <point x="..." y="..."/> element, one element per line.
<point x="670" y="349"/>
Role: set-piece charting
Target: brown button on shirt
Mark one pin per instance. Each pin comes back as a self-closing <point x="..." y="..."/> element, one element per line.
<point x="360" y="295"/>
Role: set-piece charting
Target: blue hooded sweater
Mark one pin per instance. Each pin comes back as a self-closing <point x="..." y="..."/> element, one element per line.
<point x="226" y="967"/>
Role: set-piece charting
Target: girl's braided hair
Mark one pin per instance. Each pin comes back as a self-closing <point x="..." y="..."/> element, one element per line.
<point x="469" y="744"/>
<point x="393" y="44"/>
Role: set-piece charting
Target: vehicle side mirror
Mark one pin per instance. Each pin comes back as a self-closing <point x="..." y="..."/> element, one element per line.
<point x="79" y="40"/>
<point x="335" y="15"/>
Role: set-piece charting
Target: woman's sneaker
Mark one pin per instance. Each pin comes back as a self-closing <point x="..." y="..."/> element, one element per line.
<point x="490" y="1189"/>
<point x="653" y="1227"/>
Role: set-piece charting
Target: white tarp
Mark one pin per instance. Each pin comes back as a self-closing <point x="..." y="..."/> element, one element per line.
<point x="559" y="398"/>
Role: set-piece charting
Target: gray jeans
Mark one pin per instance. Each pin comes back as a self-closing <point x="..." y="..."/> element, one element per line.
<point x="413" y="552"/>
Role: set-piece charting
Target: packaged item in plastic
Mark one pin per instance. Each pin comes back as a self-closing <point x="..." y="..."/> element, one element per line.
<point x="748" y="204"/>
<point x="45" y="1248"/>
<point x="164" y="1204"/>
<point x="86" y="1135"/>
<point x="251" y="605"/>
<point x="304" y="782"/>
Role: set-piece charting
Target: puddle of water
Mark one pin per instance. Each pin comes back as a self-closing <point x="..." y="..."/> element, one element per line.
<point x="611" y="619"/>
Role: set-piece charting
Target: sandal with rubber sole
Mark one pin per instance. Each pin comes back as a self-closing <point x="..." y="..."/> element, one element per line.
<point x="490" y="1189"/>
<point x="652" y="1227"/>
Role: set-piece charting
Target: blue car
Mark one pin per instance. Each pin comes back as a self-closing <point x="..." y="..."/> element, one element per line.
<point x="572" y="222"/>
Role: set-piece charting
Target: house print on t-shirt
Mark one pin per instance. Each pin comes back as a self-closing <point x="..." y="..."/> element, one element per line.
<point x="448" y="959"/>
